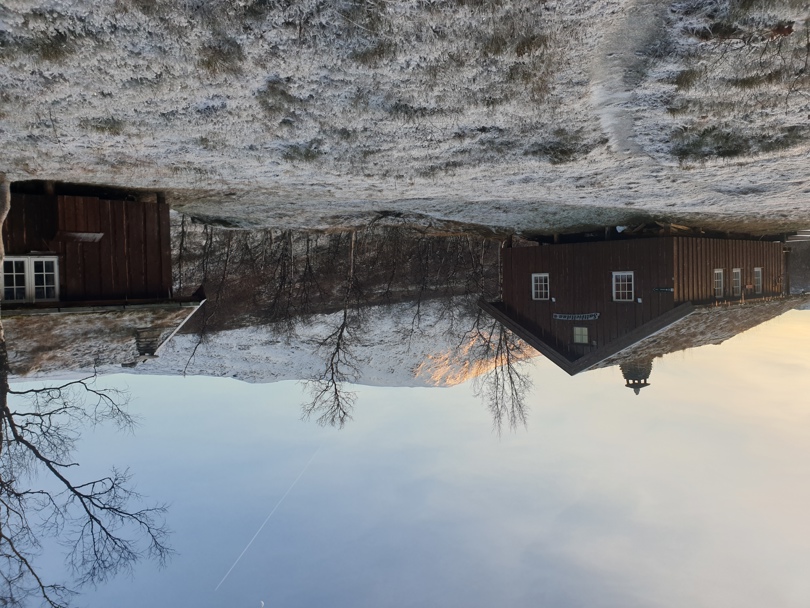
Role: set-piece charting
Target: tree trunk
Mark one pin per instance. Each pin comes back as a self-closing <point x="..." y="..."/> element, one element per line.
<point x="5" y="205"/>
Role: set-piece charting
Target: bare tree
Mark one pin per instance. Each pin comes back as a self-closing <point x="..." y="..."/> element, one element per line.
<point x="282" y="278"/>
<point x="101" y="521"/>
<point x="504" y="386"/>
<point x="330" y="399"/>
<point x="97" y="519"/>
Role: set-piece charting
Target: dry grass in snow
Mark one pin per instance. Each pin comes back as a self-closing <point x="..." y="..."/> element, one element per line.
<point x="508" y="113"/>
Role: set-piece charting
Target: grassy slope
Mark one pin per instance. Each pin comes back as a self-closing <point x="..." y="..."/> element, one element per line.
<point x="307" y="112"/>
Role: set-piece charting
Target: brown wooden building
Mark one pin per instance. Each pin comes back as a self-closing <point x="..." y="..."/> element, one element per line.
<point x="87" y="281"/>
<point x="64" y="250"/>
<point x="580" y="303"/>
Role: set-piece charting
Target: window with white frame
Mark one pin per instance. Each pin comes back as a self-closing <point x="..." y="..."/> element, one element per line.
<point x="540" y="286"/>
<point x="757" y="280"/>
<point x="623" y="286"/>
<point x="718" y="283"/>
<point x="14" y="280"/>
<point x="580" y="335"/>
<point x="30" y="279"/>
<point x="736" y="282"/>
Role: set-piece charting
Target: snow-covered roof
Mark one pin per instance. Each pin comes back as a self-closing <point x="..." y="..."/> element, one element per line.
<point x="703" y="326"/>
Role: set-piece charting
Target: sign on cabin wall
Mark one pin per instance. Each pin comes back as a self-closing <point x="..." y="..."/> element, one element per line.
<point x="588" y="316"/>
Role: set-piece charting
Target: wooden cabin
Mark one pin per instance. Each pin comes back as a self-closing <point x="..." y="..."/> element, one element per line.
<point x="64" y="250"/>
<point x="580" y="303"/>
<point x="105" y="262"/>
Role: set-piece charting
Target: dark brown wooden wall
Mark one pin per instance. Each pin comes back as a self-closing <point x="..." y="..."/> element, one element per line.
<point x="131" y="261"/>
<point x="581" y="281"/>
<point x="696" y="259"/>
<point x="30" y="225"/>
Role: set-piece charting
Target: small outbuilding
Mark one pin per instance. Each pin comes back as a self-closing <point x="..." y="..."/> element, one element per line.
<point x="87" y="278"/>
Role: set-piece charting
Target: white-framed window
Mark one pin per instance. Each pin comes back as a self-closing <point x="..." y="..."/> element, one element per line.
<point x="757" y="280"/>
<point x="580" y="335"/>
<point x="623" y="286"/>
<point x="30" y="279"/>
<point x="718" y="283"/>
<point x="540" y="286"/>
<point x="736" y="282"/>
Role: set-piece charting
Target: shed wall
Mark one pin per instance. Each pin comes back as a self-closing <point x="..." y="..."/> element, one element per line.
<point x="30" y="225"/>
<point x="132" y="259"/>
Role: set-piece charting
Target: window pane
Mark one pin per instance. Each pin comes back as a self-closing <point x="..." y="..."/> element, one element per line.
<point x="44" y="280"/>
<point x="45" y="293"/>
<point x="14" y="280"/>
<point x="20" y="273"/>
<point x="623" y="286"/>
<point x="718" y="283"/>
<point x="540" y="286"/>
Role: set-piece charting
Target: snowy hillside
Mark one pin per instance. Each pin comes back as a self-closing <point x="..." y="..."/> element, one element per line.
<point x="509" y="113"/>
<point x="383" y="348"/>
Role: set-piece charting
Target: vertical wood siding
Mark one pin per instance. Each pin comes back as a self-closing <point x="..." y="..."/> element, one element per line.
<point x="581" y="282"/>
<point x="696" y="260"/>
<point x="131" y="260"/>
<point x="30" y="225"/>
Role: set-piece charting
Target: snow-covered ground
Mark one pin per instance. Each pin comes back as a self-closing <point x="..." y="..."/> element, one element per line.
<point x="381" y="350"/>
<point x="512" y="113"/>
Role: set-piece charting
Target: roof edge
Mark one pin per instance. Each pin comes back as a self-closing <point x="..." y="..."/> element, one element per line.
<point x="500" y="315"/>
<point x="624" y="342"/>
<point x="594" y="357"/>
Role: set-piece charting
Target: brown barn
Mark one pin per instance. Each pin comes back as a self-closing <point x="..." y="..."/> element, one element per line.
<point x="580" y="303"/>
<point x="106" y="259"/>
<point x="67" y="250"/>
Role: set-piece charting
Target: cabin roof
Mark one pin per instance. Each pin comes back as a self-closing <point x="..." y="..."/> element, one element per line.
<point x="703" y="326"/>
<point x="686" y="326"/>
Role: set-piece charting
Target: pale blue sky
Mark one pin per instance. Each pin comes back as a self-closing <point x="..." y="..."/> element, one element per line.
<point x="692" y="494"/>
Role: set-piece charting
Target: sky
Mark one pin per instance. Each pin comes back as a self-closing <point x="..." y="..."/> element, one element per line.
<point x="692" y="493"/>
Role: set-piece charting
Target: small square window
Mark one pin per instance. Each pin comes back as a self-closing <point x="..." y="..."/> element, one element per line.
<point x="580" y="335"/>
<point x="623" y="287"/>
<point x="540" y="286"/>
